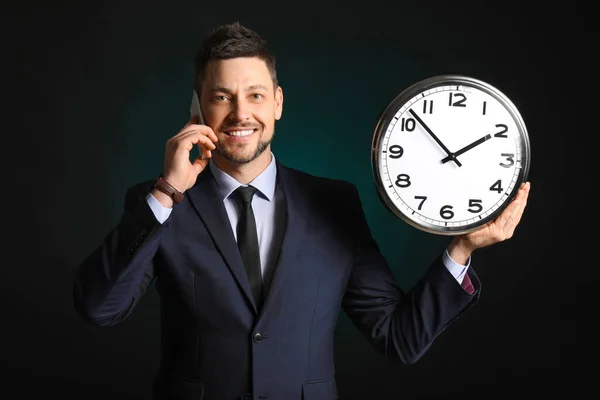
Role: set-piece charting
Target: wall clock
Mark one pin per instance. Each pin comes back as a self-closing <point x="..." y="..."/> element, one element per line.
<point x="449" y="153"/>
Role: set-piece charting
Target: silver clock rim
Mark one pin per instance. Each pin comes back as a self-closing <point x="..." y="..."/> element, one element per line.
<point x="393" y="106"/>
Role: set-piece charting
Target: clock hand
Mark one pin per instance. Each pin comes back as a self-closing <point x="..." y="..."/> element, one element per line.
<point x="466" y="148"/>
<point x="451" y="156"/>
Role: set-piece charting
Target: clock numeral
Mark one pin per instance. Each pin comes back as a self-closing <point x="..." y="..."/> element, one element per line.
<point x="396" y="151"/>
<point x="497" y="186"/>
<point x="422" y="198"/>
<point x="510" y="157"/>
<point x="408" y="124"/>
<point x="425" y="107"/>
<point x="475" y="206"/>
<point x="484" y="106"/>
<point x="457" y="103"/>
<point x="502" y="133"/>
<point x="446" y="212"/>
<point x="403" y="180"/>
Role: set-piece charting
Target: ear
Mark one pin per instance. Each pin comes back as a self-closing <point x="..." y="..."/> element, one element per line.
<point x="278" y="102"/>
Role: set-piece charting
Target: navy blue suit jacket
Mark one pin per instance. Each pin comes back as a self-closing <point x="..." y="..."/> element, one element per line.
<point x="215" y="345"/>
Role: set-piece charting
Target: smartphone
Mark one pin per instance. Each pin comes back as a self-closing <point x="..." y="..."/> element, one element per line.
<point x="196" y="110"/>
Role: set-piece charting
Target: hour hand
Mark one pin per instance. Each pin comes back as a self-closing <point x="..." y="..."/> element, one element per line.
<point x="452" y="156"/>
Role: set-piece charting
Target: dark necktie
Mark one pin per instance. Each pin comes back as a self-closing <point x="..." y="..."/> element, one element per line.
<point x="247" y="239"/>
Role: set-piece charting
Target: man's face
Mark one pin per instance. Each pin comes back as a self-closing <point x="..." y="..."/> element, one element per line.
<point x="241" y="105"/>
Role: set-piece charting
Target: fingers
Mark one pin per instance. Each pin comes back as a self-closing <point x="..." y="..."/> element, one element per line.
<point x="204" y="141"/>
<point x="205" y="145"/>
<point x="513" y="213"/>
<point x="178" y="149"/>
<point x="200" y="135"/>
<point x="197" y="129"/>
<point x="204" y="152"/>
<point x="199" y="164"/>
<point x="195" y="124"/>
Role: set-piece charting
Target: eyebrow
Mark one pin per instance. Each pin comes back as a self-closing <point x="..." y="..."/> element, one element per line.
<point x="248" y="89"/>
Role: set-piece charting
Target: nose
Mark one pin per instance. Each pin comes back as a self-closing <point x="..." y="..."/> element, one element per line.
<point x="241" y="110"/>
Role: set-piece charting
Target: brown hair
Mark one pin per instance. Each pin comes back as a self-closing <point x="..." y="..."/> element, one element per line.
<point x="233" y="41"/>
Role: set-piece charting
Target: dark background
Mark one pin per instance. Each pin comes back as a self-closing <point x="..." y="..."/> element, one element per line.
<point x="96" y="89"/>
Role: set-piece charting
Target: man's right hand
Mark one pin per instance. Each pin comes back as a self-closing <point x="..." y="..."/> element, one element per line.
<point x="178" y="170"/>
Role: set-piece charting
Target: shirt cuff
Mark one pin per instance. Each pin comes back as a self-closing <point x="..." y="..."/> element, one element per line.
<point x="458" y="271"/>
<point x="160" y="212"/>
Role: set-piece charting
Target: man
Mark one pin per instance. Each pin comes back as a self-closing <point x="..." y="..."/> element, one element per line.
<point x="244" y="322"/>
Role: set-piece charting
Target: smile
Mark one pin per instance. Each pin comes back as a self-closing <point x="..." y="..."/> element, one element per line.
<point x="240" y="133"/>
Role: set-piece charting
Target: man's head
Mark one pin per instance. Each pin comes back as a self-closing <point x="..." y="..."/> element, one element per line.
<point x="233" y="41"/>
<point x="239" y="92"/>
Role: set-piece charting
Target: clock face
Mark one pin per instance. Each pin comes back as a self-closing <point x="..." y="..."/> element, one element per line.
<point x="449" y="154"/>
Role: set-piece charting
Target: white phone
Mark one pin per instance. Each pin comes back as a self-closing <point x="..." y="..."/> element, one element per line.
<point x="196" y="110"/>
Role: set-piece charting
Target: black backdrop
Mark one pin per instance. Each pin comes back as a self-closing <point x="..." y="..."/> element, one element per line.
<point x="96" y="88"/>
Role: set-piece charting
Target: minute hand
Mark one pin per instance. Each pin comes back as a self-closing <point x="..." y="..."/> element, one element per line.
<point x="450" y="155"/>
<point x="466" y="148"/>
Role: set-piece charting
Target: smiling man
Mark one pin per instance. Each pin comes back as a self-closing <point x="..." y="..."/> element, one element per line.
<point x="244" y="100"/>
<point x="253" y="260"/>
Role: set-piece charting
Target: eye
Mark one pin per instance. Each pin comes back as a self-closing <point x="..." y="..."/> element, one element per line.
<point x="220" y="98"/>
<point x="257" y="96"/>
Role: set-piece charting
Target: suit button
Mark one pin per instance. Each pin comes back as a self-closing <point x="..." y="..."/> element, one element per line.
<point x="246" y="396"/>
<point x="258" y="337"/>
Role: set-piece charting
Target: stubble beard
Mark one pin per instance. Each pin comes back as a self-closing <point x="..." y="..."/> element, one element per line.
<point x="240" y="158"/>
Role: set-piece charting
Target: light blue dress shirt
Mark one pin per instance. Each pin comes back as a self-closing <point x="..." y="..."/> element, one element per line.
<point x="268" y="215"/>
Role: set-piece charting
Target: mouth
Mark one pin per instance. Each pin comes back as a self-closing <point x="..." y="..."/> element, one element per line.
<point x="239" y="133"/>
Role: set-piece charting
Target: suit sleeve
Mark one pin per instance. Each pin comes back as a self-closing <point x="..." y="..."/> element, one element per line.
<point x="400" y="325"/>
<point x="112" y="279"/>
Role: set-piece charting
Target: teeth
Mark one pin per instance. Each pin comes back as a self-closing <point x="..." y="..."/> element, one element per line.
<point x="241" y="133"/>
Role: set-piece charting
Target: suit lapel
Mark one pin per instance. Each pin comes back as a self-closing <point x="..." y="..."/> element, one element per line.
<point x="295" y="229"/>
<point x="205" y="198"/>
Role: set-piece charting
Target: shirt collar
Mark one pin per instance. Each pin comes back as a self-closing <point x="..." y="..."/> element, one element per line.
<point x="265" y="182"/>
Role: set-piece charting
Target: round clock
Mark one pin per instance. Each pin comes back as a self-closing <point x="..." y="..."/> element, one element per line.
<point x="449" y="153"/>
